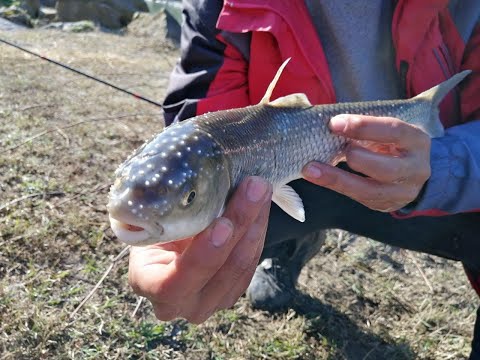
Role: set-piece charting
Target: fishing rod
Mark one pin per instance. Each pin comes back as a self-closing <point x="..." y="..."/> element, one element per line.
<point x="137" y="96"/>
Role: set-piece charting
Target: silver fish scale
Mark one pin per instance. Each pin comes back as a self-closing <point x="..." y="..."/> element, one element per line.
<point x="276" y="142"/>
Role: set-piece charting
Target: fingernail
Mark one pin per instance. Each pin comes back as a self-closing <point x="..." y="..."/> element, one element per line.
<point x="313" y="171"/>
<point x="338" y="123"/>
<point x="256" y="189"/>
<point x="221" y="233"/>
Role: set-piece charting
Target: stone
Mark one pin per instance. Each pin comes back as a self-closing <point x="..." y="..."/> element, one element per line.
<point x="112" y="14"/>
<point x="6" y="25"/>
<point x="31" y="7"/>
<point x="16" y="15"/>
<point x="76" y="27"/>
<point x="47" y="13"/>
<point x="48" y="3"/>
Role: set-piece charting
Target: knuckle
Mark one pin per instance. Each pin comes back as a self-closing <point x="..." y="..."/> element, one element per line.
<point x="422" y="174"/>
<point x="355" y="126"/>
<point x="331" y="180"/>
<point x="241" y="265"/>
<point x="398" y="172"/>
<point x="410" y="194"/>
<point x="165" y="314"/>
<point x="425" y="172"/>
<point x="240" y="219"/>
<point x="132" y="281"/>
<point x="398" y="130"/>
<point x="424" y="140"/>
<point x="198" y="318"/>
<point x="351" y="155"/>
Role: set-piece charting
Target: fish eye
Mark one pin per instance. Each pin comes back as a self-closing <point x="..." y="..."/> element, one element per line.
<point x="190" y="197"/>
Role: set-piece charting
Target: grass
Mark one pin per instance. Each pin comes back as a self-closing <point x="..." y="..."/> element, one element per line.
<point x="362" y="300"/>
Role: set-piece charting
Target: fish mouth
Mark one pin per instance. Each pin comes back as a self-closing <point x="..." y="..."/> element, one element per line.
<point x="134" y="234"/>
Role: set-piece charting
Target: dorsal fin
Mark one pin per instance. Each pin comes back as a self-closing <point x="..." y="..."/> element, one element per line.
<point x="268" y="93"/>
<point x="292" y="100"/>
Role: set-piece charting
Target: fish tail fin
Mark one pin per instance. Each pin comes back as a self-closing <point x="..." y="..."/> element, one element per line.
<point x="434" y="96"/>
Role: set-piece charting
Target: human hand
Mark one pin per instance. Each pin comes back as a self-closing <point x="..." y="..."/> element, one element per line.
<point x="394" y="155"/>
<point x="195" y="277"/>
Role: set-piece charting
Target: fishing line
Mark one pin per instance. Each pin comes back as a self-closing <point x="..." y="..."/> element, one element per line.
<point x="137" y="96"/>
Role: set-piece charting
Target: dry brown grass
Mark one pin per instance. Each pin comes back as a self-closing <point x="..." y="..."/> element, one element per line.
<point x="365" y="300"/>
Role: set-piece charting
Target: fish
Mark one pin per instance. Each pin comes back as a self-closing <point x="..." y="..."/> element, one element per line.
<point x="176" y="184"/>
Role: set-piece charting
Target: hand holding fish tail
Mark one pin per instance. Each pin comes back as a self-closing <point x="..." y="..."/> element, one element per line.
<point x="195" y="277"/>
<point x="394" y="156"/>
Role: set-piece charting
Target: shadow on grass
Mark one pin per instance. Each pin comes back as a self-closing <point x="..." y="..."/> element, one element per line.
<point x="343" y="336"/>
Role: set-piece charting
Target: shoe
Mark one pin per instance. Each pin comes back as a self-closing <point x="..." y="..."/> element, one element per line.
<point x="272" y="288"/>
<point x="273" y="285"/>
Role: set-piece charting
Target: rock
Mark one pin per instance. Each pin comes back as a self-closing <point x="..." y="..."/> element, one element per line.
<point x="16" y="15"/>
<point x="76" y="27"/>
<point x="6" y="25"/>
<point x="48" y="3"/>
<point x="113" y="14"/>
<point x="32" y="7"/>
<point x="47" y="13"/>
<point x="79" y="26"/>
<point x="159" y="26"/>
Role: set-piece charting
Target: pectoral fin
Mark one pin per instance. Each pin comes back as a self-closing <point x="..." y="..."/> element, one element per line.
<point x="289" y="201"/>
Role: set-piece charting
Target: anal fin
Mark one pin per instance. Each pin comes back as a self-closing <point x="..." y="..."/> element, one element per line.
<point x="289" y="201"/>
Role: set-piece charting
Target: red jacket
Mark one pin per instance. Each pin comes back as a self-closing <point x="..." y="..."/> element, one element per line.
<point x="230" y="53"/>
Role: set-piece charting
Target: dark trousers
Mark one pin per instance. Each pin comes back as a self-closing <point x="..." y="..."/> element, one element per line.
<point x="455" y="237"/>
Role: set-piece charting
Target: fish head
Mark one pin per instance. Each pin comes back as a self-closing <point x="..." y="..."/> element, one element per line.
<point x="172" y="188"/>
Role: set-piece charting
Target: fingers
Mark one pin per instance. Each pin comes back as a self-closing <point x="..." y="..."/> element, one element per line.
<point x="369" y="192"/>
<point x="181" y="283"/>
<point x="386" y="168"/>
<point x="233" y="279"/>
<point x="211" y="249"/>
<point x="379" y="129"/>
<point x="394" y="156"/>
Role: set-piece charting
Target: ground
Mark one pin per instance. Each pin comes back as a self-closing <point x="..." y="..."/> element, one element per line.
<point x="61" y="138"/>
